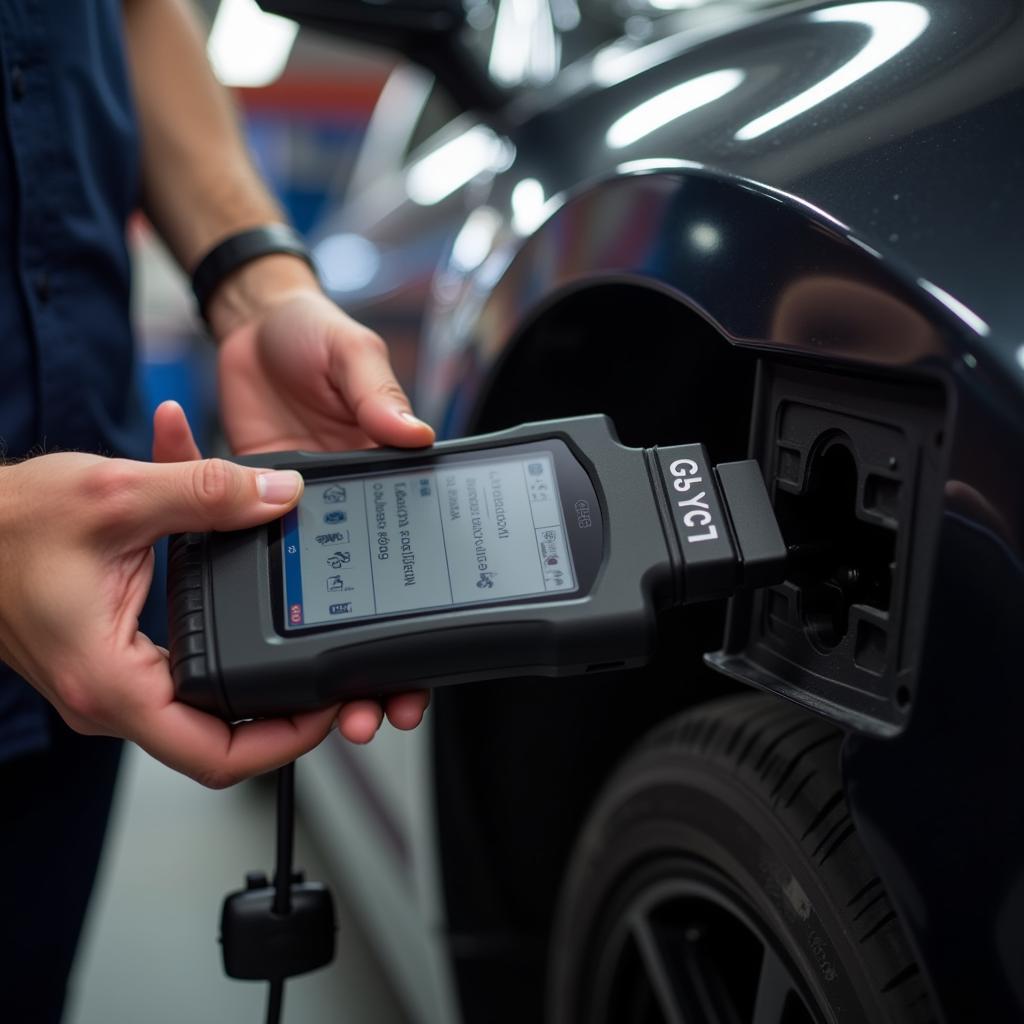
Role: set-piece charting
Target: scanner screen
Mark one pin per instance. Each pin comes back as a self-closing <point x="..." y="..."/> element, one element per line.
<point x="434" y="536"/>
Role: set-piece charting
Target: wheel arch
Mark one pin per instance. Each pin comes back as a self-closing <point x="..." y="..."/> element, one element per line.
<point x="768" y="271"/>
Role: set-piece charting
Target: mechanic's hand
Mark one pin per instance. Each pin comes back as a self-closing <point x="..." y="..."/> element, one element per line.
<point x="358" y="720"/>
<point x="76" y="562"/>
<point x="298" y="373"/>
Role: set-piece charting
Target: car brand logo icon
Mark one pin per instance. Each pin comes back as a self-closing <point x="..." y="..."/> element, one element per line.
<point x="335" y="494"/>
<point x="335" y="517"/>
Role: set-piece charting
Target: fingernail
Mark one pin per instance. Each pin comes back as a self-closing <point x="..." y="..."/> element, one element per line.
<point x="280" y="486"/>
<point x="409" y="418"/>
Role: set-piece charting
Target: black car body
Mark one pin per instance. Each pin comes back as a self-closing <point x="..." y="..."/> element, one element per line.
<point x="796" y="231"/>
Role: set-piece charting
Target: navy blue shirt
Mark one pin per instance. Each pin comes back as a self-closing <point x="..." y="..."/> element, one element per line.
<point x="69" y="178"/>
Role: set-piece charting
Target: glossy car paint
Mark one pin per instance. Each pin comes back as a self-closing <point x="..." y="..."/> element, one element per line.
<point x="850" y="194"/>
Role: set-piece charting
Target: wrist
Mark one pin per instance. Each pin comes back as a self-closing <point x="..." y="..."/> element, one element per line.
<point x="255" y="288"/>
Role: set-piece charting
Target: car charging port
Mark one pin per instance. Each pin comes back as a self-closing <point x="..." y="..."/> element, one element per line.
<point x="854" y="469"/>
<point x="836" y="559"/>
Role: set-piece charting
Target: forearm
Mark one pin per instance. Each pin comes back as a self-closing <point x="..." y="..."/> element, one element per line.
<point x="199" y="185"/>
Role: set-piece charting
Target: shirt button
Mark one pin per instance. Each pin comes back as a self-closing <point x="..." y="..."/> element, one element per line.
<point x="17" y="82"/>
<point x="42" y="287"/>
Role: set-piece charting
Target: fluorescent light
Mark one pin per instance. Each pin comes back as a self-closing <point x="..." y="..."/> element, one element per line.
<point x="248" y="47"/>
<point x="623" y="59"/>
<point x="565" y="14"/>
<point x="525" y="47"/>
<point x="675" y="5"/>
<point x="658" y="111"/>
<point x="346" y="262"/>
<point x="473" y="242"/>
<point x="529" y="207"/>
<point x="893" y="24"/>
<point x="454" y="163"/>
<point x="655" y="164"/>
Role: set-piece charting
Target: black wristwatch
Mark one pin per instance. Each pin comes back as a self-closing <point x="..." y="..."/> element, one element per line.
<point x="236" y="250"/>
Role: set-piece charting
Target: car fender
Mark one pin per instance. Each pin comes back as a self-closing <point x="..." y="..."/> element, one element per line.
<point x="767" y="269"/>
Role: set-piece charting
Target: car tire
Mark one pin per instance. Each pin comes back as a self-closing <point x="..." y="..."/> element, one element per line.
<point x="719" y="878"/>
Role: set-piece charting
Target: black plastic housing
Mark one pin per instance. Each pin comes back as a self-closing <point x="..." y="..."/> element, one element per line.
<point x="655" y="526"/>
<point x="228" y="656"/>
<point x="259" y="944"/>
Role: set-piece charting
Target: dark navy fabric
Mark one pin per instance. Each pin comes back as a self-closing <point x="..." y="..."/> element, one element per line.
<point x="69" y="178"/>
<point x="55" y="810"/>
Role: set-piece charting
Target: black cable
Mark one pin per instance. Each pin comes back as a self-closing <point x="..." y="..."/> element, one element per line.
<point x="282" y="871"/>
<point x="274" y="1001"/>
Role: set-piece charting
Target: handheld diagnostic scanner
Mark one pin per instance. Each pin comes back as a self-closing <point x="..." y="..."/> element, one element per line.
<point x="547" y="549"/>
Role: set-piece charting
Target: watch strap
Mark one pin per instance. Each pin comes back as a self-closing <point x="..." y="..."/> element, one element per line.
<point x="241" y="248"/>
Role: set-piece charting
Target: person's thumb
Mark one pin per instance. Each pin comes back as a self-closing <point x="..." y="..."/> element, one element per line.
<point x="172" y="435"/>
<point x="208" y="494"/>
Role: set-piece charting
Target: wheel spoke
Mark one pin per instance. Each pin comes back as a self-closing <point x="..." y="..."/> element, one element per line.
<point x="680" y="955"/>
<point x="707" y="993"/>
<point x="773" y="987"/>
<point x="659" y="973"/>
<point x="688" y="988"/>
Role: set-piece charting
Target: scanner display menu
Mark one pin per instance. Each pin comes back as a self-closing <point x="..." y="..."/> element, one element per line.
<point x="449" y="534"/>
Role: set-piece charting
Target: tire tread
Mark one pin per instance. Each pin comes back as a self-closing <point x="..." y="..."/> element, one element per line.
<point x="790" y="758"/>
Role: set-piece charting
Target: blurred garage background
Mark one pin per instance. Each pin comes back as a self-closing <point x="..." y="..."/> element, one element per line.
<point x="150" y="950"/>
